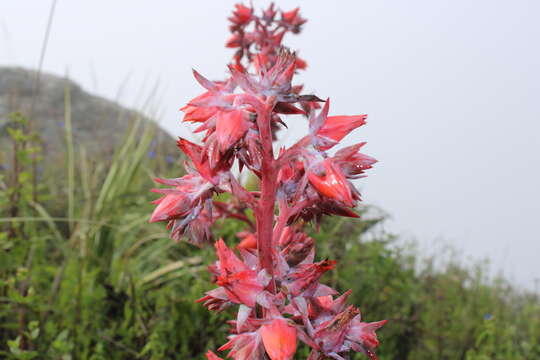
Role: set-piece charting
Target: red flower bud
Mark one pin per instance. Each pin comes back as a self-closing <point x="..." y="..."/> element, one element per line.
<point x="336" y="128"/>
<point x="279" y="339"/>
<point x="230" y="127"/>
<point x="331" y="183"/>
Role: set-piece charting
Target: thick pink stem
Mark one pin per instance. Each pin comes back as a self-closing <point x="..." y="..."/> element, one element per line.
<point x="265" y="210"/>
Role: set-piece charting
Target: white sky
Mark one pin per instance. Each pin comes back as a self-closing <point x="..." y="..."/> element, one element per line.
<point x="451" y="89"/>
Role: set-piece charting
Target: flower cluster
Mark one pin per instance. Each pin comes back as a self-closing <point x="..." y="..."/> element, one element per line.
<point x="273" y="278"/>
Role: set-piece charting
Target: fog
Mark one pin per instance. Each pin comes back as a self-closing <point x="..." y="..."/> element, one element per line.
<point x="451" y="89"/>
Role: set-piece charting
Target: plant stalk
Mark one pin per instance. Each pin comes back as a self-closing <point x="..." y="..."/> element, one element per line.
<point x="265" y="211"/>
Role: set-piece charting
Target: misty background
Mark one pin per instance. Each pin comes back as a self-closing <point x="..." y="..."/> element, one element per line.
<point x="451" y="89"/>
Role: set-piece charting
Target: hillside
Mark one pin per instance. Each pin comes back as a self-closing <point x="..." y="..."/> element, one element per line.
<point x="99" y="125"/>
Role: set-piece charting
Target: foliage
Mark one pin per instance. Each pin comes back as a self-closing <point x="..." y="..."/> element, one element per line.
<point x="82" y="304"/>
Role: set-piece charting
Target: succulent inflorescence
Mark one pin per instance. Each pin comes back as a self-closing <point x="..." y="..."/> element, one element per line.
<point x="275" y="280"/>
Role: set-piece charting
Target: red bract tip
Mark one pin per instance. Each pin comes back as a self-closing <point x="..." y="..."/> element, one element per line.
<point x="300" y="64"/>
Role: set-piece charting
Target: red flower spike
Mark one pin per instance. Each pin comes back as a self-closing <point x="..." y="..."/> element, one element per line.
<point x="279" y="339"/>
<point x="273" y="284"/>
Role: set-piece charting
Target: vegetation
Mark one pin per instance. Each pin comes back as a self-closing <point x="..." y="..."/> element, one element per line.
<point x="84" y="276"/>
